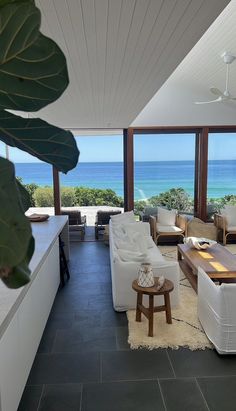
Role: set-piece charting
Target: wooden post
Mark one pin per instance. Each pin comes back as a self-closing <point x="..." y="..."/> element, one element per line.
<point x="128" y="144"/>
<point x="201" y="174"/>
<point x="56" y="191"/>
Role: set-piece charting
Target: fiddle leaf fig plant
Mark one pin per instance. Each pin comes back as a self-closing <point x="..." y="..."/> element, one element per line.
<point x="33" y="74"/>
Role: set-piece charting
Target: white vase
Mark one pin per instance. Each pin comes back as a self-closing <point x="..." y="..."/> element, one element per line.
<point x="145" y="275"/>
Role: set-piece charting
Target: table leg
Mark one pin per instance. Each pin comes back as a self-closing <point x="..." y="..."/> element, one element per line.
<point x="139" y="302"/>
<point x="179" y="255"/>
<point x="168" y="308"/>
<point x="150" y="320"/>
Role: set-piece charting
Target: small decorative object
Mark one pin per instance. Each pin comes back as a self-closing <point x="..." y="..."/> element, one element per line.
<point x="200" y="243"/>
<point x="145" y="278"/>
<point x="160" y="283"/>
<point x="38" y="218"/>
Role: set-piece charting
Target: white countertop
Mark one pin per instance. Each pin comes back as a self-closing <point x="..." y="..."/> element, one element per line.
<point x="45" y="235"/>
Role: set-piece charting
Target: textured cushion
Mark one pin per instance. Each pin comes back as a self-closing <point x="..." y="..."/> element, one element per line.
<point x="229" y="211"/>
<point x="231" y="228"/>
<point x="126" y="255"/>
<point x="137" y="227"/>
<point x="166" y="217"/>
<point x="168" y="229"/>
<point x="127" y="217"/>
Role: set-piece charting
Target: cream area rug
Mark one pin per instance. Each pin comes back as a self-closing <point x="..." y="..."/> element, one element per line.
<point x="185" y="330"/>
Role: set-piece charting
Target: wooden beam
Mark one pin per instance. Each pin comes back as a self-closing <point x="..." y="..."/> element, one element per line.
<point x="128" y="145"/>
<point x="201" y="168"/>
<point x="196" y="176"/>
<point x="56" y="191"/>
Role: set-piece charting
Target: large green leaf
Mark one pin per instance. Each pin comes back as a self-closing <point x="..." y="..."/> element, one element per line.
<point x="4" y="2"/>
<point x="33" y="71"/>
<point x="49" y="143"/>
<point x="20" y="275"/>
<point x="15" y="229"/>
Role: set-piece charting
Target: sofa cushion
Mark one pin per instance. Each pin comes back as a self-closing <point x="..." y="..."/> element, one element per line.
<point x="127" y="217"/>
<point x="137" y="227"/>
<point x="126" y="255"/>
<point x="166" y="217"/>
<point x="229" y="211"/>
<point x="168" y="229"/>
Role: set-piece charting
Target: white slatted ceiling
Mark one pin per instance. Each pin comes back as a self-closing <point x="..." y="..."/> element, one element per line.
<point x="201" y="69"/>
<point x="119" y="53"/>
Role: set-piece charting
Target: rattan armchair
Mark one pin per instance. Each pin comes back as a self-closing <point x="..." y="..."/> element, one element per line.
<point x="178" y="230"/>
<point x="223" y="228"/>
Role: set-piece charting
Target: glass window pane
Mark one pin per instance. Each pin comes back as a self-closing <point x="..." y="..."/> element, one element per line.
<point x="221" y="187"/>
<point x="164" y="170"/>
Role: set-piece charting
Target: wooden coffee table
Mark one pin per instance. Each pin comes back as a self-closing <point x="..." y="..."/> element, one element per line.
<point x="216" y="261"/>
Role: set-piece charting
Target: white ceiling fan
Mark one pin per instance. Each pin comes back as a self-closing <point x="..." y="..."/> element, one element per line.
<point x="222" y="96"/>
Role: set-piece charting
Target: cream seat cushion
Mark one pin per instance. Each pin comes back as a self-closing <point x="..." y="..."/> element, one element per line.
<point x="229" y="212"/>
<point x="168" y="229"/>
<point x="231" y="228"/>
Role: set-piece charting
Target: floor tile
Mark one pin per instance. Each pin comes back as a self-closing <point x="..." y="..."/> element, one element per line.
<point x="219" y="392"/>
<point x="122" y="338"/>
<point x="207" y="362"/>
<point x="30" y="398"/>
<point x="65" y="368"/>
<point x="182" y="395"/>
<point x="120" y="396"/>
<point x="62" y="397"/>
<point x="85" y="339"/>
<point x="135" y="365"/>
<point x="111" y="318"/>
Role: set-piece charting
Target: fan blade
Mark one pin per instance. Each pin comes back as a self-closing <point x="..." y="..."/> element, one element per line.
<point x="216" y="91"/>
<point x="209" y="102"/>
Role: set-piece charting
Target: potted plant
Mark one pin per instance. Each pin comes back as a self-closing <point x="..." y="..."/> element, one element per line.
<point x="33" y="74"/>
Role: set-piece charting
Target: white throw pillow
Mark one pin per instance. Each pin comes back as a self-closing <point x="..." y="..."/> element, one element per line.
<point x="229" y="211"/>
<point x="126" y="244"/>
<point x="166" y="217"/>
<point x="127" y="217"/>
<point x="139" y="241"/>
<point x="126" y="255"/>
<point x="137" y="227"/>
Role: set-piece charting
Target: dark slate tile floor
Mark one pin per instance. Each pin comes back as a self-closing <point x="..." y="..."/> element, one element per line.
<point x="84" y="362"/>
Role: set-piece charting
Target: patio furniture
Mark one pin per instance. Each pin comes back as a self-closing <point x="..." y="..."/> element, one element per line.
<point x="146" y="213"/>
<point x="198" y="228"/>
<point x="216" y="261"/>
<point x="102" y="219"/>
<point x="167" y="224"/>
<point x="225" y="222"/>
<point x="168" y="286"/>
<point x="217" y="312"/>
<point x="76" y="221"/>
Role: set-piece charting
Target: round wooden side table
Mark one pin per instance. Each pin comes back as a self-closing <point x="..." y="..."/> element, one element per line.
<point x="168" y="286"/>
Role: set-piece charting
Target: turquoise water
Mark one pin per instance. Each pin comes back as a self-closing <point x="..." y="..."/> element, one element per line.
<point x="151" y="178"/>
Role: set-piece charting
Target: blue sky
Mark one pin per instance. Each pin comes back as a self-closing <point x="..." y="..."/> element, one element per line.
<point x="147" y="148"/>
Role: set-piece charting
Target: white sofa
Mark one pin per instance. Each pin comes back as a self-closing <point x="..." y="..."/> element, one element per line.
<point x="217" y="312"/>
<point x="124" y="272"/>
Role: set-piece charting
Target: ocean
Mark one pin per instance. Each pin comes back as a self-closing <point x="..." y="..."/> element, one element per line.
<point x="151" y="178"/>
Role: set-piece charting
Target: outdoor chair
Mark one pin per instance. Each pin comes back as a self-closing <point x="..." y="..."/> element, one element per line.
<point x="76" y="221"/>
<point x="167" y="224"/>
<point x="102" y="219"/>
<point x="225" y="222"/>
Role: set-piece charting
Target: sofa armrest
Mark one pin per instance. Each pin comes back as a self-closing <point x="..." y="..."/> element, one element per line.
<point x="181" y="222"/>
<point x="153" y="227"/>
<point x="220" y="221"/>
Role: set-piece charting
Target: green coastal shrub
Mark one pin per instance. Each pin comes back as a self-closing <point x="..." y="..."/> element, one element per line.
<point x="175" y="198"/>
<point x="43" y="197"/>
<point x="96" y="197"/>
<point x="68" y="197"/>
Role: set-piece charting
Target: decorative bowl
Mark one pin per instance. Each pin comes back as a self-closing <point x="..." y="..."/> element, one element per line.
<point x="200" y="243"/>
